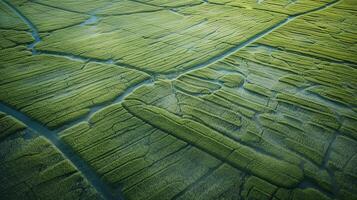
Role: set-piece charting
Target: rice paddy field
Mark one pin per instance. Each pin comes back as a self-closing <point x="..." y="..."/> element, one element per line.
<point x="182" y="100"/>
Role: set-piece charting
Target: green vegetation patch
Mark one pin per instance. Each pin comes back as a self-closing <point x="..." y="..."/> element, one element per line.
<point x="55" y="90"/>
<point x="32" y="168"/>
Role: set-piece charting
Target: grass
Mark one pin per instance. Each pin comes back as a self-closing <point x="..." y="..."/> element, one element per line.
<point x="178" y="99"/>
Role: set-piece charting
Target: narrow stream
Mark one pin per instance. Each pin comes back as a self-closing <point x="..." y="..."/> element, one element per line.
<point x="53" y="136"/>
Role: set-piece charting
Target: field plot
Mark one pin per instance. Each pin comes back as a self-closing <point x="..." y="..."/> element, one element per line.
<point x="187" y="99"/>
<point x="32" y="168"/>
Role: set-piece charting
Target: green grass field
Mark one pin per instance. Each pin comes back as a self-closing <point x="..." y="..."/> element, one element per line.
<point x="186" y="99"/>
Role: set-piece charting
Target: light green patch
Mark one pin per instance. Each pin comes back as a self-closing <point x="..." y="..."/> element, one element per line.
<point x="180" y="99"/>
<point x="56" y="90"/>
<point x="165" y="41"/>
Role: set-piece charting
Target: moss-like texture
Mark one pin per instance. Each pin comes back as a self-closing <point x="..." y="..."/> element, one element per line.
<point x="329" y="34"/>
<point x="188" y="99"/>
<point x="56" y="90"/>
<point x="32" y="168"/>
<point x="165" y="39"/>
<point x="290" y="7"/>
<point x="10" y="21"/>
